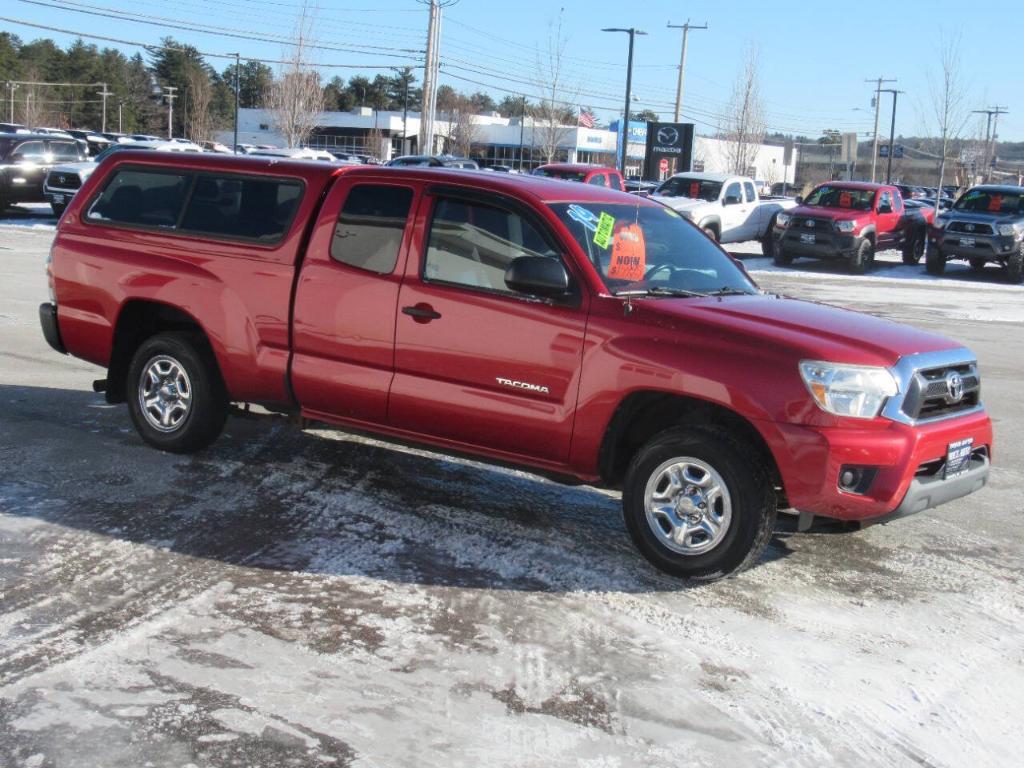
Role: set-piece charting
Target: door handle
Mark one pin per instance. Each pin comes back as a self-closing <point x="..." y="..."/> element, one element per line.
<point x="421" y="313"/>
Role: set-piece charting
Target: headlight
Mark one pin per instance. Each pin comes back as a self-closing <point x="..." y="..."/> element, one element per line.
<point x="782" y="220"/>
<point x="848" y="390"/>
<point x="1010" y="230"/>
<point x="848" y="226"/>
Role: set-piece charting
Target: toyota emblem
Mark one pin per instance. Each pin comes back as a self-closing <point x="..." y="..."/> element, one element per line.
<point x="969" y="227"/>
<point x="955" y="387"/>
<point x="60" y="179"/>
<point x="809" y="224"/>
<point x="668" y="135"/>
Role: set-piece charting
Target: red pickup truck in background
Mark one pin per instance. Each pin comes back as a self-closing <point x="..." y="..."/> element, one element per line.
<point x="850" y="221"/>
<point x="587" y="334"/>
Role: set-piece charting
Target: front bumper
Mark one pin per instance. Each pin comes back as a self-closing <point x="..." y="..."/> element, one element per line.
<point x="908" y="459"/>
<point x="988" y="247"/>
<point x="827" y="245"/>
<point x="51" y="330"/>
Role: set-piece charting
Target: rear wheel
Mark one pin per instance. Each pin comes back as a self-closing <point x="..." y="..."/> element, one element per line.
<point x="862" y="258"/>
<point x="1015" y="265"/>
<point x="176" y="398"/>
<point x="711" y="232"/>
<point x="935" y="262"/>
<point x="978" y="265"/>
<point x="768" y="244"/>
<point x="913" y="249"/>
<point x="698" y="504"/>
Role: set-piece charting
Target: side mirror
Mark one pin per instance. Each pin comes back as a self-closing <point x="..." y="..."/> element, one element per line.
<point x="885" y="208"/>
<point x="537" y="275"/>
<point x="731" y="200"/>
<point x="799" y="199"/>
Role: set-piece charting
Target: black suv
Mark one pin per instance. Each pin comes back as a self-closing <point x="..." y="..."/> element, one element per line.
<point x="985" y="224"/>
<point x="25" y="159"/>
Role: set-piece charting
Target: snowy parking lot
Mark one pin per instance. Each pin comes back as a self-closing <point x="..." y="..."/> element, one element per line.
<point x="310" y="598"/>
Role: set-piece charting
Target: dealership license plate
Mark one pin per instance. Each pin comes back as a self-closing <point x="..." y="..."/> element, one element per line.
<point x="806" y="238"/>
<point x="958" y="458"/>
<point x="58" y="199"/>
<point x="967" y="242"/>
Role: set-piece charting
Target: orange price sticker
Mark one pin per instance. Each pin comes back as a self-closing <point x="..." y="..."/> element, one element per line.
<point x="629" y="254"/>
<point x="995" y="203"/>
<point x="845" y="199"/>
<point x="695" y="189"/>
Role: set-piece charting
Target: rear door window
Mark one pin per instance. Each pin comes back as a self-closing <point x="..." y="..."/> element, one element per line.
<point x="368" y="233"/>
<point x="244" y="208"/>
<point x="146" y="198"/>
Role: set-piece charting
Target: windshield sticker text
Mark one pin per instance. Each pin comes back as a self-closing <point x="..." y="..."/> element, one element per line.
<point x="603" y="235"/>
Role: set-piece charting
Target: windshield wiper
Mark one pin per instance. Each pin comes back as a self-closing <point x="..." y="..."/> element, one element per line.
<point x="726" y="291"/>
<point x="660" y="291"/>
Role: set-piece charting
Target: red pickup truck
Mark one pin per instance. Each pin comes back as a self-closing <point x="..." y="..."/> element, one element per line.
<point x="850" y="221"/>
<point x="587" y="334"/>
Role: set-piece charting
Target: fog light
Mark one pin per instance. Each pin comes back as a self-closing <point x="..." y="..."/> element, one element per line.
<point x="856" y="479"/>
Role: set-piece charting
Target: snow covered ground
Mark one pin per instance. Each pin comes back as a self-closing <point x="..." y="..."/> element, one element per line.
<point x="314" y="598"/>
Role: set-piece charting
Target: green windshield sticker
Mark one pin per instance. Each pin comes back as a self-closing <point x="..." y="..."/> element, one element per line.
<point x="605" y="226"/>
<point x="670" y="212"/>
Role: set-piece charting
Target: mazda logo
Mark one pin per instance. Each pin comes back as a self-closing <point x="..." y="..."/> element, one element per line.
<point x="955" y="387"/>
<point x="668" y="135"/>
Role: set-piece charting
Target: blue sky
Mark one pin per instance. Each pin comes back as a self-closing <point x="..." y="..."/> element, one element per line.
<point x="814" y="59"/>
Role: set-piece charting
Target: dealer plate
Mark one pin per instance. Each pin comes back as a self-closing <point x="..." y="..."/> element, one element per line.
<point x="958" y="458"/>
<point x="967" y="242"/>
<point x="807" y="238"/>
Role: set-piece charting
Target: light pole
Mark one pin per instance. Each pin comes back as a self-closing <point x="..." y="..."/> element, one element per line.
<point x="892" y="133"/>
<point x="632" y="32"/>
<point x="234" y="146"/>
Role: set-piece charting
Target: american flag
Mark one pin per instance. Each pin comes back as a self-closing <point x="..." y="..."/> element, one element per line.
<point x="587" y="119"/>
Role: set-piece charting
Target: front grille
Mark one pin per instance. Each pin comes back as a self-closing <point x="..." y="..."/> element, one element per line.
<point x="58" y="180"/>
<point x="932" y="393"/>
<point x="970" y="228"/>
<point x="820" y="225"/>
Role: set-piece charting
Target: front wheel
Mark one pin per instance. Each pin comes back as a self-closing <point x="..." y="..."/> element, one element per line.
<point x="861" y="259"/>
<point x="698" y="504"/>
<point x="768" y="244"/>
<point x="710" y="232"/>
<point x="978" y="265"/>
<point x="58" y="209"/>
<point x="176" y="398"/>
<point x="1015" y="265"/>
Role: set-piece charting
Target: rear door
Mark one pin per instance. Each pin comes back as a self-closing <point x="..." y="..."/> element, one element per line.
<point x="346" y="299"/>
<point x="475" y="362"/>
<point x="887" y="218"/>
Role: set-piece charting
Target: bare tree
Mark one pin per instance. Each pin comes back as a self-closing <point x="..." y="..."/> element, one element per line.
<point x="950" y="109"/>
<point x="745" y="128"/>
<point x="463" y="129"/>
<point x="554" y="109"/>
<point x="295" y="99"/>
<point x="199" y="125"/>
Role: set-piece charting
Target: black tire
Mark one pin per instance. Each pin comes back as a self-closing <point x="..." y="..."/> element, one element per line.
<point x="913" y="248"/>
<point x="203" y="419"/>
<point x="768" y="245"/>
<point x="58" y="209"/>
<point x="935" y="262"/>
<point x="862" y="259"/>
<point x="978" y="265"/>
<point x="782" y="258"/>
<point x="1015" y="265"/>
<point x="752" y="498"/>
<point x="711" y="233"/>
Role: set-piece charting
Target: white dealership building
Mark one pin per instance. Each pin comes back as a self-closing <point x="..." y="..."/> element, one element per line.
<point x="507" y="141"/>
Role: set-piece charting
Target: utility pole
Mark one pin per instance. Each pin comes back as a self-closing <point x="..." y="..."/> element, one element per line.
<point x="431" y="69"/>
<point x="238" y="65"/>
<point x="632" y="32"/>
<point x="120" y="105"/>
<point x="892" y="134"/>
<point x="169" y="93"/>
<point x="11" y="88"/>
<point x="990" y="136"/>
<point x="405" y="116"/>
<point x="877" y="99"/>
<point x="682" y="60"/>
<point x="105" y="94"/>
<point x="522" y="128"/>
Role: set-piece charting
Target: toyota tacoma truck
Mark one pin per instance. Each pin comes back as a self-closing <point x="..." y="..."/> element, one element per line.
<point x="728" y="208"/>
<point x="986" y="224"/>
<point x="586" y="334"/>
<point x="849" y="221"/>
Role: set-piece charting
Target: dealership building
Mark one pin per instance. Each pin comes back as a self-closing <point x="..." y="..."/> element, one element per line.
<point x="509" y="141"/>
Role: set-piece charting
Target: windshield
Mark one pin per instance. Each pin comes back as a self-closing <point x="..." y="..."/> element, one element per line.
<point x="991" y="201"/>
<point x="828" y="196"/>
<point x="567" y="175"/>
<point x="697" y="189"/>
<point x="117" y="148"/>
<point x="649" y="248"/>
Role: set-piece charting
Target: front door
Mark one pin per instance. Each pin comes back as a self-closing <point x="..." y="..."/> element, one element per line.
<point x="347" y="297"/>
<point x="475" y="362"/>
<point x="734" y="213"/>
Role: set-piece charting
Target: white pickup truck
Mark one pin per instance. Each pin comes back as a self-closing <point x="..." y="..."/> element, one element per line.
<point x="728" y="208"/>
